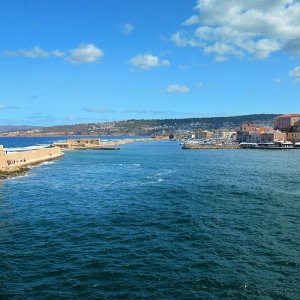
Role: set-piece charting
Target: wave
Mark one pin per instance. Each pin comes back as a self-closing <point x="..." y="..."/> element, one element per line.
<point x="47" y="163"/>
<point x="27" y="148"/>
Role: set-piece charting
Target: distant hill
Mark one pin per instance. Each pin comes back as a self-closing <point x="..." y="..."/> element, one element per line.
<point x="144" y="127"/>
<point x="149" y="127"/>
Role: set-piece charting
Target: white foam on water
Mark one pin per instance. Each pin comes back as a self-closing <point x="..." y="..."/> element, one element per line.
<point x="47" y="163"/>
<point x="27" y="148"/>
<point x="16" y="178"/>
<point x="44" y="163"/>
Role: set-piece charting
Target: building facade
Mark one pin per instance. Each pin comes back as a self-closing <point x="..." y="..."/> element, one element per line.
<point x="273" y="136"/>
<point x="293" y="137"/>
<point x="203" y="134"/>
<point x="225" y="134"/>
<point x="251" y="133"/>
<point x="286" y="122"/>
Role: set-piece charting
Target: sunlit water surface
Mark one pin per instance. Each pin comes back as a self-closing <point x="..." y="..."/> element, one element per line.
<point x="153" y="221"/>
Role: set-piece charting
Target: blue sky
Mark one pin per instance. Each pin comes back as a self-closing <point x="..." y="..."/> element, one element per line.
<point x="66" y="62"/>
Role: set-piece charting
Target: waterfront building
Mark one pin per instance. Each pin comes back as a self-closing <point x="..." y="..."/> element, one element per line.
<point x="286" y="122"/>
<point x="248" y="127"/>
<point x="294" y="133"/>
<point x="79" y="143"/>
<point x="250" y="133"/>
<point x="273" y="136"/>
<point x="163" y="136"/>
<point x="225" y="134"/>
<point x="253" y="137"/>
<point x="265" y="136"/>
<point x="184" y="135"/>
<point x="203" y="134"/>
<point x="293" y="137"/>
<point x="84" y="142"/>
<point x="291" y="125"/>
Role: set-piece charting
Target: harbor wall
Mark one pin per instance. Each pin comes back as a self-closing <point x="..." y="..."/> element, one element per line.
<point x="12" y="161"/>
<point x="72" y="144"/>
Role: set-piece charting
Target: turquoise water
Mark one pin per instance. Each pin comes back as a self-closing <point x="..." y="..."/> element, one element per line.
<point x="152" y="221"/>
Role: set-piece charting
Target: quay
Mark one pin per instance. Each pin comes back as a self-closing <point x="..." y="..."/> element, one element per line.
<point x="17" y="163"/>
<point x="209" y="146"/>
<point x="96" y="143"/>
<point x="255" y="146"/>
<point x="271" y="146"/>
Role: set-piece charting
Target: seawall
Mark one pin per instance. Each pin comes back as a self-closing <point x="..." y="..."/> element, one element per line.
<point x="201" y="147"/>
<point x="18" y="161"/>
<point x="85" y="144"/>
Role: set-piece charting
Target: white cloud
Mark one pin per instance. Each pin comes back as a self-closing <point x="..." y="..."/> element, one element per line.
<point x="176" y="88"/>
<point x="191" y="21"/>
<point x="147" y="61"/>
<point x="200" y="85"/>
<point x="35" y="52"/>
<point x="256" y="28"/>
<point x="219" y="48"/>
<point x="84" y="53"/>
<point x="127" y="28"/>
<point x="295" y="73"/>
<point x="181" y="39"/>
<point x="58" y="53"/>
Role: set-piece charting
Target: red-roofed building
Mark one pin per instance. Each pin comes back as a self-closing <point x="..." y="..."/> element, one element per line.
<point x="248" y="127"/>
<point x="273" y="136"/>
<point x="251" y="132"/>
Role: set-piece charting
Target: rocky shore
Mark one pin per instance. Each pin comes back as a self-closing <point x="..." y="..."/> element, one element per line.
<point x="21" y="171"/>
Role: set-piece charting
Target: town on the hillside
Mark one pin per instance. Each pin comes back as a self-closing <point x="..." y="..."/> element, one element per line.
<point x="219" y="132"/>
<point x="284" y="134"/>
<point x="140" y="127"/>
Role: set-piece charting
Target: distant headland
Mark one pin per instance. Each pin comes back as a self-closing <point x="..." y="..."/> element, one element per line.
<point x="139" y="127"/>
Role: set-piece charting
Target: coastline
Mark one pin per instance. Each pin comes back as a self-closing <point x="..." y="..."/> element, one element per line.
<point x="18" y="163"/>
<point x="209" y="147"/>
<point x="97" y="144"/>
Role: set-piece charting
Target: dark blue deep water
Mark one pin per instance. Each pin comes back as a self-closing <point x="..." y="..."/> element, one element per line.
<point x="152" y="221"/>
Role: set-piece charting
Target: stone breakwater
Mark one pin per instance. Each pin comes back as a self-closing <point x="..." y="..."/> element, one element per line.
<point x="17" y="163"/>
<point x="96" y="143"/>
<point x="202" y="146"/>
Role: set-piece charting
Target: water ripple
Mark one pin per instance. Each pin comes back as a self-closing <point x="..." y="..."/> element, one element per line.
<point x="153" y="222"/>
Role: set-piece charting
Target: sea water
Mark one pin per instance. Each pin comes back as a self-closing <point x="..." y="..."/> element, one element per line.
<point x="152" y="221"/>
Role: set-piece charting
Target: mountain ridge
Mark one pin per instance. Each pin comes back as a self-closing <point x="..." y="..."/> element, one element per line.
<point x="150" y="127"/>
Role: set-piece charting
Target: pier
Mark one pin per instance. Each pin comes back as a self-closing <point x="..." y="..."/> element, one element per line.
<point x="96" y="143"/>
<point x="209" y="146"/>
<point x="17" y="163"/>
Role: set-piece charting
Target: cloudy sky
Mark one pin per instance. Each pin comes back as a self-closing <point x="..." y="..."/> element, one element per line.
<point x="65" y="62"/>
